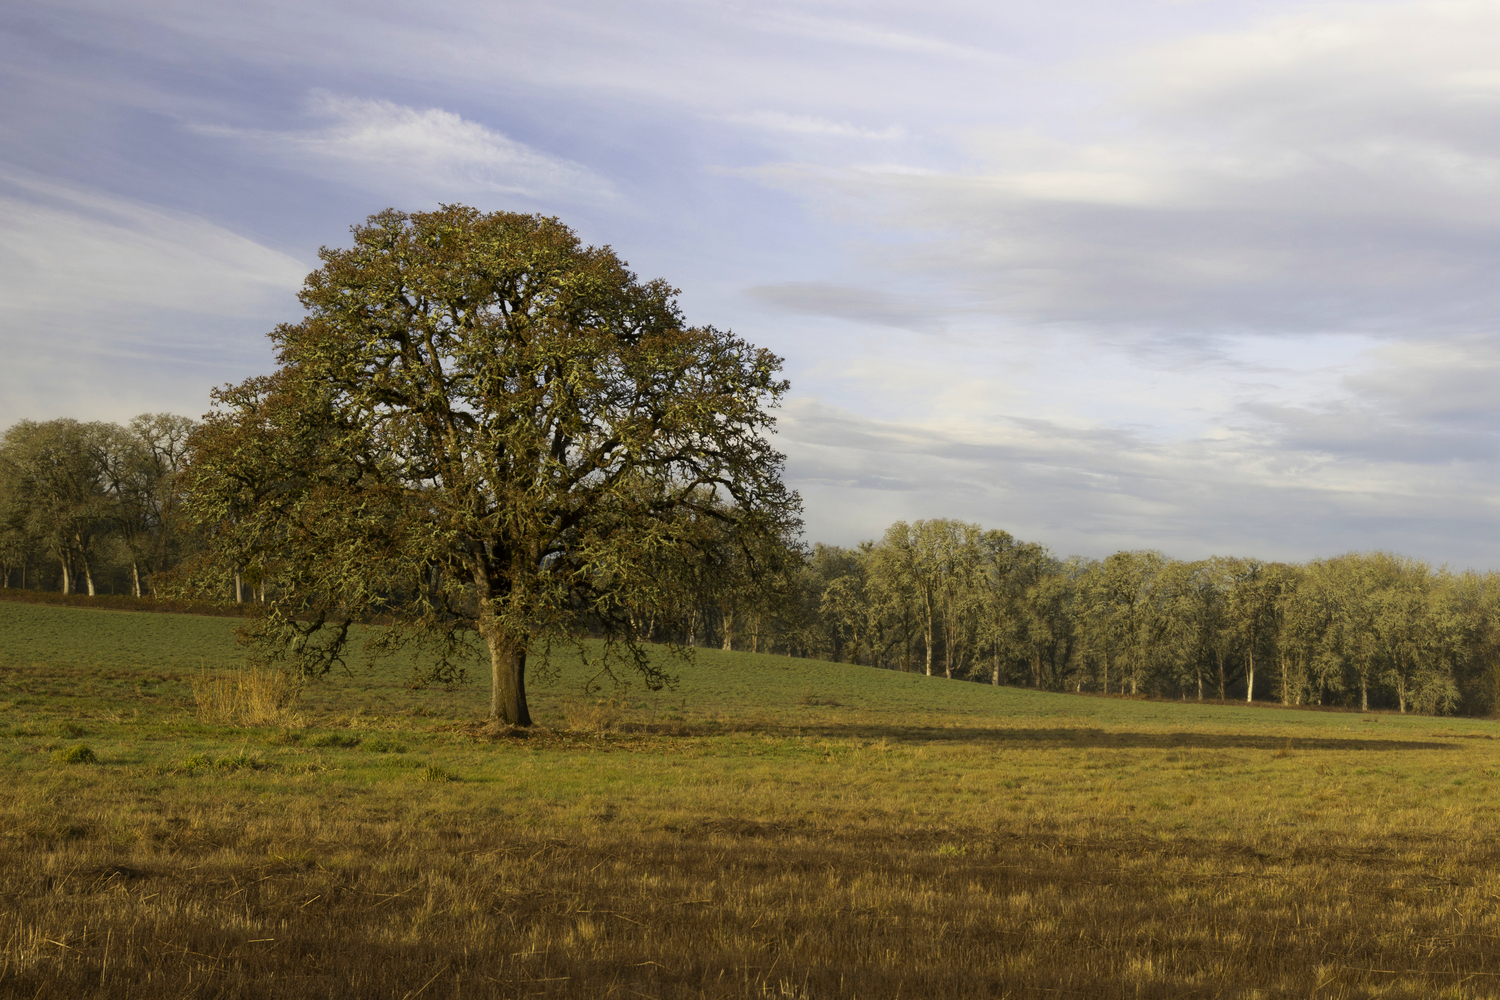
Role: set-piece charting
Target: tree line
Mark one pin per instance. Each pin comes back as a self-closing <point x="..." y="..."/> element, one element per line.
<point x="944" y="597"/>
<point x="90" y="507"/>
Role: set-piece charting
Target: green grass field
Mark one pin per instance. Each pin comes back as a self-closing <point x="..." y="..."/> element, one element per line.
<point x="771" y="827"/>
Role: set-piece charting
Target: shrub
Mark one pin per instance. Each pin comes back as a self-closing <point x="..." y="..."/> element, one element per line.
<point x="80" y="754"/>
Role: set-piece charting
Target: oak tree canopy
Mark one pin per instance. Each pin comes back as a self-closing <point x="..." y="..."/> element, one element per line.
<point x="484" y="426"/>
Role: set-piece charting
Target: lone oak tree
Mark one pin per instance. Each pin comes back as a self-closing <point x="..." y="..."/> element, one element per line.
<point x="483" y="425"/>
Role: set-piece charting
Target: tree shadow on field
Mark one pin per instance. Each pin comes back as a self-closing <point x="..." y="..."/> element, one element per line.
<point x="1085" y="738"/>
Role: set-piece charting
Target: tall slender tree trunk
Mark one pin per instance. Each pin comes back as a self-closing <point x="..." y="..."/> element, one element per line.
<point x="692" y="636"/>
<point x="728" y="631"/>
<point x="928" y="631"/>
<point x="1249" y="676"/>
<point x="239" y="588"/>
<point x="135" y="577"/>
<point x="1364" y="694"/>
<point x="67" y="581"/>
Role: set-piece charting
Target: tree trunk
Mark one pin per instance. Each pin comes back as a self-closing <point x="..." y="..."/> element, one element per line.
<point x="929" y="630"/>
<point x="67" y="582"/>
<point x="728" y="632"/>
<point x="1249" y="676"/>
<point x="88" y="575"/>
<point x="1364" y="695"/>
<point x="507" y="679"/>
<point x="692" y="636"/>
<point x="1200" y="682"/>
<point x="135" y="577"/>
<point x="239" y="589"/>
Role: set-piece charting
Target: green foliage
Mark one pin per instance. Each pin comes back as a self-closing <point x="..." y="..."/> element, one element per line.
<point x="80" y="754"/>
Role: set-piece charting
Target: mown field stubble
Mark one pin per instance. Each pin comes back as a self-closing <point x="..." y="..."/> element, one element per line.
<point x="774" y="827"/>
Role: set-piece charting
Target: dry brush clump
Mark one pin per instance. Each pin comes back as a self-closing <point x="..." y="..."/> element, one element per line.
<point x="248" y="696"/>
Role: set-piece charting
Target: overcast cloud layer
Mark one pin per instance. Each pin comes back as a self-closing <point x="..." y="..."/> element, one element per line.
<point x="1204" y="277"/>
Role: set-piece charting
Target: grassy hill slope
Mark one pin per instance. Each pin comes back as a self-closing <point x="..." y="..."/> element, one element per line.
<point x="771" y="827"/>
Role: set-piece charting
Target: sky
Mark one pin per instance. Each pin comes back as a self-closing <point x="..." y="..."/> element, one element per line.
<point x="1203" y="276"/>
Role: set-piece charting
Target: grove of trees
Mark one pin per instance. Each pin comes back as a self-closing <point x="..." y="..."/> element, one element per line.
<point x="1365" y="630"/>
<point x="90" y="507"/>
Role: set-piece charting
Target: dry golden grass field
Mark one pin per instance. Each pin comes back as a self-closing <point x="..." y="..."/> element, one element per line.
<point x="772" y="828"/>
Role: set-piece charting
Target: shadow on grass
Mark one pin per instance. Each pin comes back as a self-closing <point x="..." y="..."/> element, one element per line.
<point x="1080" y="737"/>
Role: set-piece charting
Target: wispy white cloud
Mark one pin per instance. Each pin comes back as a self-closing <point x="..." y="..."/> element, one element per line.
<point x="132" y="301"/>
<point x="1336" y="171"/>
<point x="869" y="33"/>
<point x="80" y="251"/>
<point x="394" y="148"/>
<point x="1092" y="489"/>
<point x="860" y="305"/>
<point x="777" y="121"/>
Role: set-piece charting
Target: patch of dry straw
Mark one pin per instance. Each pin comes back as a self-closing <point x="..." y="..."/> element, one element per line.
<point x="249" y="696"/>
